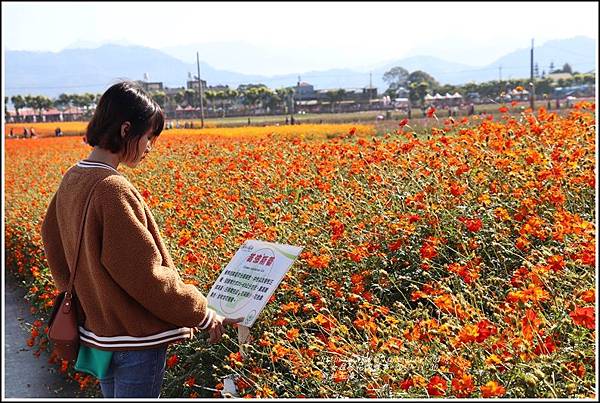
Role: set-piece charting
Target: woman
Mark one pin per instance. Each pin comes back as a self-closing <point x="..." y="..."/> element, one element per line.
<point x="133" y="303"/>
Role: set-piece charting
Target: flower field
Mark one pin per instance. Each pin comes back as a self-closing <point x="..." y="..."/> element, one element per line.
<point x="454" y="263"/>
<point x="47" y="129"/>
<point x="299" y="131"/>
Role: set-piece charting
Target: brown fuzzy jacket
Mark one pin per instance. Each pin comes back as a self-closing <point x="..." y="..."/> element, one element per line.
<point x="130" y="293"/>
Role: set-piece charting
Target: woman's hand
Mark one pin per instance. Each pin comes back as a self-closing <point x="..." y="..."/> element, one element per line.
<point x="217" y="327"/>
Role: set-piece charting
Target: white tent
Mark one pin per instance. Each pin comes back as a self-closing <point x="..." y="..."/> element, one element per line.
<point x="428" y="97"/>
<point x="438" y="96"/>
<point x="457" y="95"/>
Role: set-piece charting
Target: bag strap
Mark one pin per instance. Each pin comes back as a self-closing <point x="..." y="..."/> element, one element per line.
<point x="69" y="292"/>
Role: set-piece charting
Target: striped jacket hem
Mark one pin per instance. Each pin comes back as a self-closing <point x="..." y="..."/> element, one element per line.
<point x="131" y="342"/>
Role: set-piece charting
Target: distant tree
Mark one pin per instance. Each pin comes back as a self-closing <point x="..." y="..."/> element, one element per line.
<point x="267" y="98"/>
<point x="230" y="96"/>
<point x="551" y="68"/>
<point x="179" y="97"/>
<point x="211" y="97"/>
<point x="160" y="97"/>
<point x="63" y="101"/>
<point x="417" y="92"/>
<point x="285" y="95"/>
<point x="89" y="101"/>
<point x="396" y="77"/>
<point x="250" y="97"/>
<point x="28" y="100"/>
<point x="18" y="101"/>
<point x="419" y="76"/>
<point x="191" y="97"/>
<point x="567" y="68"/>
<point x="39" y="103"/>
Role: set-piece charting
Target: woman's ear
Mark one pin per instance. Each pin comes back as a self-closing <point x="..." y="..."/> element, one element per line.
<point x="125" y="127"/>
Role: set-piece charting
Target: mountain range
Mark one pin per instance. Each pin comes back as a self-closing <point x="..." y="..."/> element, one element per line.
<point x="76" y="70"/>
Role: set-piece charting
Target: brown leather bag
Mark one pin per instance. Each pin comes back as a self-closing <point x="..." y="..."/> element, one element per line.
<point x="63" y="324"/>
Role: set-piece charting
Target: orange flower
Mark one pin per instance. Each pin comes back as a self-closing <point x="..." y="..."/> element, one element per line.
<point x="468" y="333"/>
<point x="444" y="302"/>
<point x="530" y="324"/>
<point x="340" y="376"/>
<point x="463" y="385"/>
<point x="318" y="262"/>
<point x="456" y="189"/>
<point x="522" y="243"/>
<point x="492" y="389"/>
<point x="584" y="317"/>
<point x="501" y="214"/>
<point x="588" y="296"/>
<point x="292" y="334"/>
<point x="191" y="381"/>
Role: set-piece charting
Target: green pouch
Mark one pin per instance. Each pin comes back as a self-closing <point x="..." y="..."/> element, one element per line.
<point x="93" y="361"/>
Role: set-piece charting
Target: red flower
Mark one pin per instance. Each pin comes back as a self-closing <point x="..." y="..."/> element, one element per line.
<point x="437" y="386"/>
<point x="403" y="122"/>
<point x="556" y="262"/>
<point x="428" y="251"/>
<point x="172" y="361"/>
<point x="352" y="131"/>
<point x="430" y="112"/>
<point x="486" y="329"/>
<point x="407" y="384"/>
<point x="547" y="347"/>
<point x="503" y="109"/>
<point x="584" y="317"/>
<point x="472" y="224"/>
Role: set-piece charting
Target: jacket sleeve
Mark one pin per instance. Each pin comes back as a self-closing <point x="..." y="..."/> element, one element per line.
<point x="132" y="258"/>
<point x="53" y="248"/>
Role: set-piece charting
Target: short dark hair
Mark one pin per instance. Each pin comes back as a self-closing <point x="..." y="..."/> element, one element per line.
<point x="124" y="102"/>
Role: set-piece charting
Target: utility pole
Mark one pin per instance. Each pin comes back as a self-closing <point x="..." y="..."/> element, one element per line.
<point x="370" y="85"/>
<point x="532" y="85"/>
<point x="200" y="92"/>
<point x="500" y="73"/>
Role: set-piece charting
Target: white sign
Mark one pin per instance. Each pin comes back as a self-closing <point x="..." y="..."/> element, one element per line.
<point x="248" y="281"/>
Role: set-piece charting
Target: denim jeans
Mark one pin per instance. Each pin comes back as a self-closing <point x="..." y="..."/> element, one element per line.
<point x="135" y="373"/>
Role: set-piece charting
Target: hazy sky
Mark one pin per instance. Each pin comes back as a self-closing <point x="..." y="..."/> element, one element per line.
<point x="357" y="34"/>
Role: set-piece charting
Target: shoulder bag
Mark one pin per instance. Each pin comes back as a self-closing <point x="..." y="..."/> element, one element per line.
<point x="63" y="325"/>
